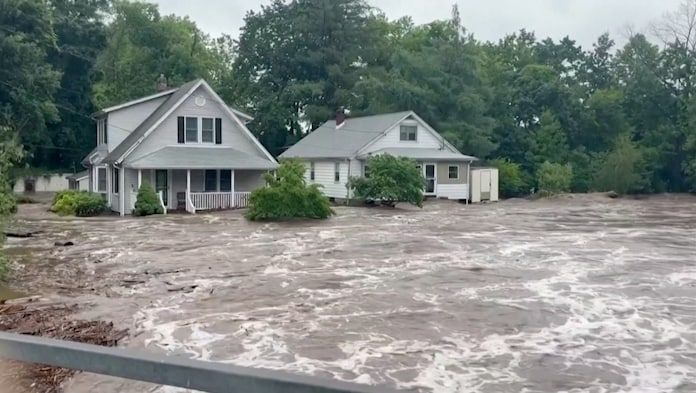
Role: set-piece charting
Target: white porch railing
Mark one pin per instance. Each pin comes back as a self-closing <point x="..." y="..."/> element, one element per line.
<point x="241" y="199"/>
<point x="219" y="200"/>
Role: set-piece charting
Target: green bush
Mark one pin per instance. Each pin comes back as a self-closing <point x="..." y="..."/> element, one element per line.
<point x="623" y="169"/>
<point x="554" y="178"/>
<point x="287" y="196"/>
<point x="513" y="181"/>
<point x="391" y="180"/>
<point x="78" y="203"/>
<point x="147" y="201"/>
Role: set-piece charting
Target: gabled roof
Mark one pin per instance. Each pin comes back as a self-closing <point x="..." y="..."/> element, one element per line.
<point x="344" y="142"/>
<point x="183" y="157"/>
<point x="155" y="116"/>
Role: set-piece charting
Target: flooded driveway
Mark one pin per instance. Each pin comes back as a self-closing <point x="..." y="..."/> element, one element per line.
<point x="573" y="294"/>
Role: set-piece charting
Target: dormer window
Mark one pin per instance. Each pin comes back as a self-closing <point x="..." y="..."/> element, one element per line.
<point x="101" y="132"/>
<point x="408" y="133"/>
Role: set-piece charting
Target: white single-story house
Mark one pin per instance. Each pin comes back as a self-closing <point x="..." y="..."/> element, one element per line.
<point x="339" y="149"/>
<point x="194" y="149"/>
<point x="78" y="181"/>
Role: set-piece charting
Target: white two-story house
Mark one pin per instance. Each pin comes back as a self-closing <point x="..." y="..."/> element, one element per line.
<point x="339" y="149"/>
<point x="194" y="149"/>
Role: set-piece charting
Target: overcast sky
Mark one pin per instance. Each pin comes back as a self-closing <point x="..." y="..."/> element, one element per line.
<point x="582" y="20"/>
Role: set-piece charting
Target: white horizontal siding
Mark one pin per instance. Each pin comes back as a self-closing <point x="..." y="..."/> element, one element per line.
<point x="324" y="176"/>
<point x="424" y="139"/>
<point x="122" y="122"/>
<point x="452" y="191"/>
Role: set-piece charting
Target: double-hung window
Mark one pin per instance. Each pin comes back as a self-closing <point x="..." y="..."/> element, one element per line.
<point x="337" y="172"/>
<point x="207" y="130"/>
<point x="191" y="130"/>
<point x="453" y="171"/>
<point x="101" y="179"/>
<point x="408" y="133"/>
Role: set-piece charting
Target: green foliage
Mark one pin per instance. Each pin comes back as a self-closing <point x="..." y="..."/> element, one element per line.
<point x="287" y="196"/>
<point x="391" y="180"/>
<point x="548" y="142"/>
<point x="512" y="180"/>
<point x="553" y="178"/>
<point x="78" y="203"/>
<point x="147" y="202"/>
<point x="623" y="169"/>
<point x="10" y="154"/>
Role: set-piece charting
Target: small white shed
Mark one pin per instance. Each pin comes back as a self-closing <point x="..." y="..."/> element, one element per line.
<point x="484" y="184"/>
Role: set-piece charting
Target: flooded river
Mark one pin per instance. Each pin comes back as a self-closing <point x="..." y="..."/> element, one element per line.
<point x="577" y="294"/>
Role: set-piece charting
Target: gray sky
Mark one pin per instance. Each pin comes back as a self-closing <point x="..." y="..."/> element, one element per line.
<point x="582" y="20"/>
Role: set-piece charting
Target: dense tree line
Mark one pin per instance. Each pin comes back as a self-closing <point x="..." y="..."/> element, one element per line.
<point x="606" y="117"/>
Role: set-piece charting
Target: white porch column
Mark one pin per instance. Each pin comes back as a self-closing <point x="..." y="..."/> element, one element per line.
<point x="140" y="178"/>
<point x="121" y="188"/>
<point x="188" y="188"/>
<point x="234" y="200"/>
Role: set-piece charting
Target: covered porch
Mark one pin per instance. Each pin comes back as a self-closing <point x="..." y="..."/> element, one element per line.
<point x="194" y="190"/>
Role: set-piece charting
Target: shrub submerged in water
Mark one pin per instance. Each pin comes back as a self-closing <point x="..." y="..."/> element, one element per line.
<point x="78" y="203"/>
<point x="147" y="202"/>
<point x="288" y="196"/>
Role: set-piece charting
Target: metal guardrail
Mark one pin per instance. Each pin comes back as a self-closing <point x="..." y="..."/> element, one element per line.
<point x="167" y="370"/>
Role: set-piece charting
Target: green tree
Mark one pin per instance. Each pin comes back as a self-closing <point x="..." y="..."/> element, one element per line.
<point x="80" y="37"/>
<point x="623" y="169"/>
<point x="142" y="44"/>
<point x="548" y="142"/>
<point x="10" y="154"/>
<point x="391" y="180"/>
<point x="287" y="196"/>
<point x="27" y="80"/>
<point x="554" y="178"/>
<point x="513" y="181"/>
<point x="297" y="62"/>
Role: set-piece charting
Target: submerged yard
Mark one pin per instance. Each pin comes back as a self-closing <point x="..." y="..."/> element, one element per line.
<point x="580" y="293"/>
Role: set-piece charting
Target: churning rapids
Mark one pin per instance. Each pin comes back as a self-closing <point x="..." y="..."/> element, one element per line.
<point x="575" y="294"/>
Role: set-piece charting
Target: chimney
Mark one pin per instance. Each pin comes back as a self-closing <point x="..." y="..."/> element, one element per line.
<point x="340" y="116"/>
<point x="162" y="83"/>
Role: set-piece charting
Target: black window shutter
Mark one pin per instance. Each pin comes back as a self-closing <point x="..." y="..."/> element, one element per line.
<point x="180" y="136"/>
<point x="218" y="131"/>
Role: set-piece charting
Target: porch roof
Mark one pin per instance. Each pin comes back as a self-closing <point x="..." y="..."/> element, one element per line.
<point x="183" y="157"/>
<point x="422" y="154"/>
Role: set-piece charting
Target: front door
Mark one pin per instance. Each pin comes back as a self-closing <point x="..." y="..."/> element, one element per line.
<point x="429" y="178"/>
<point x="162" y="184"/>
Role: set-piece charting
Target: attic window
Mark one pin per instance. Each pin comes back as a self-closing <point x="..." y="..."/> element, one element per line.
<point x="408" y="133"/>
<point x="101" y="131"/>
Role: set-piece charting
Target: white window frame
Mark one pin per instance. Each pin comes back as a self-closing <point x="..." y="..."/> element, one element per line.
<point x="415" y="133"/>
<point x="449" y="173"/>
<point x="101" y="131"/>
<point x="312" y="174"/>
<point x="198" y="129"/>
<point x="212" y="130"/>
<point x="337" y="172"/>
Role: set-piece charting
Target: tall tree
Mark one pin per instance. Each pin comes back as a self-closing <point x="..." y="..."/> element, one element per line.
<point x="27" y="80"/>
<point x="298" y="62"/>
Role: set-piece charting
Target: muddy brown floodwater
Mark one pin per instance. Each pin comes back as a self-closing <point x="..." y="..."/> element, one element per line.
<point x="576" y="294"/>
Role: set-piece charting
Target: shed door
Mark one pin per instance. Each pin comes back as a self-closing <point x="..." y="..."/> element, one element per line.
<point x="485" y="185"/>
